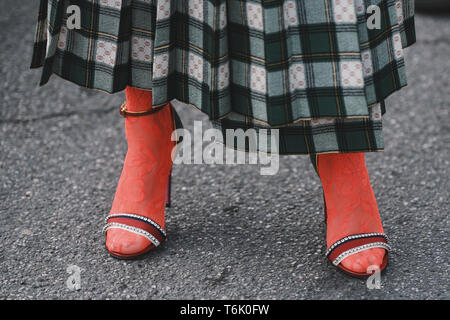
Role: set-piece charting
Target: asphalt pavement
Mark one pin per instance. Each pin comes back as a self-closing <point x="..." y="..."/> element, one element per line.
<point x="232" y="233"/>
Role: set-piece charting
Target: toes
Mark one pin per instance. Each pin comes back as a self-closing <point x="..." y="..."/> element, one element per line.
<point x="375" y="256"/>
<point x="354" y="263"/>
<point x="360" y="262"/>
<point x="122" y="242"/>
<point x="373" y="260"/>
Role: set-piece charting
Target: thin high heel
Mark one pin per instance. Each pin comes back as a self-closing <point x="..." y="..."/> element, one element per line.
<point x="169" y="192"/>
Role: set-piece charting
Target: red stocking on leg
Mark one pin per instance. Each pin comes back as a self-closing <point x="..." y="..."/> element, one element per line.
<point x="142" y="185"/>
<point x="351" y="205"/>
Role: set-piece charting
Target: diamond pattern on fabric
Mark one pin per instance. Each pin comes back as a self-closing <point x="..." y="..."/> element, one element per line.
<point x="160" y="65"/>
<point x="163" y="9"/>
<point x="196" y="67"/>
<point x="297" y="79"/>
<point x="367" y="63"/>
<point x="117" y="4"/>
<point x="106" y="52"/>
<point x="255" y="16"/>
<point x="62" y="41"/>
<point x="224" y="76"/>
<point x="351" y="74"/>
<point x="290" y="14"/>
<point x="258" y="79"/>
<point x="196" y="9"/>
<point x="141" y="49"/>
<point x="398" y="48"/>
<point x="344" y="11"/>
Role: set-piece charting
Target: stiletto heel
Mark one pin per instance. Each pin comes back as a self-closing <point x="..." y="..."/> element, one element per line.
<point x="168" y="192"/>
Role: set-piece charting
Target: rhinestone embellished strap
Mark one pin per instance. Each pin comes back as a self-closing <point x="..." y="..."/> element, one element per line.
<point x="114" y="225"/>
<point x="137" y="224"/>
<point x="347" y="253"/>
<point x="352" y="244"/>
<point x="138" y="217"/>
<point x="353" y="237"/>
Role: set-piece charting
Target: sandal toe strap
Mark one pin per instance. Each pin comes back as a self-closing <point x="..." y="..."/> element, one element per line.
<point x="352" y="244"/>
<point x="143" y="226"/>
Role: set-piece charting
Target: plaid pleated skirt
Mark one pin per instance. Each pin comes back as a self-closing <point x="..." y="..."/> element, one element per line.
<point x="310" y="68"/>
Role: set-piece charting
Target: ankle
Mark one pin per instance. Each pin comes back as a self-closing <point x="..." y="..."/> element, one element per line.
<point x="138" y="100"/>
<point x="338" y="162"/>
<point x="343" y="168"/>
<point x="345" y="183"/>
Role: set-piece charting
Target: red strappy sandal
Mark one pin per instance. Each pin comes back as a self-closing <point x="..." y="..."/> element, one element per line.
<point x="355" y="243"/>
<point x="139" y="225"/>
<point x="144" y="186"/>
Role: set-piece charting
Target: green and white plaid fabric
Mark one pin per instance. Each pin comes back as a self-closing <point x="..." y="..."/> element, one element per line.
<point x="311" y="68"/>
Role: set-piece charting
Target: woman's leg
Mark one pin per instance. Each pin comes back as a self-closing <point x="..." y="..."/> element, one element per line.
<point x="351" y="205"/>
<point x="143" y="184"/>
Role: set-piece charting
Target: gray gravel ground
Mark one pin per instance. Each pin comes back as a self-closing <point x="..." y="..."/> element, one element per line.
<point x="231" y="232"/>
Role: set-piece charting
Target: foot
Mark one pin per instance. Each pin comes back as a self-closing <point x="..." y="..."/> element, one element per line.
<point x="351" y="205"/>
<point x="123" y="243"/>
<point x="141" y="191"/>
<point x="143" y="183"/>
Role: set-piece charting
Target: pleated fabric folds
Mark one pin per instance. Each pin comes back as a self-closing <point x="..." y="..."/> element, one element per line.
<point x="310" y="68"/>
